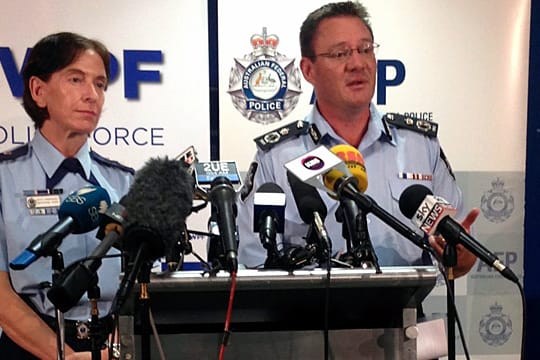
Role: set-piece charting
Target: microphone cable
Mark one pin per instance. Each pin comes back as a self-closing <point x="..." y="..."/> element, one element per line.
<point x="523" y="319"/>
<point x="226" y="331"/>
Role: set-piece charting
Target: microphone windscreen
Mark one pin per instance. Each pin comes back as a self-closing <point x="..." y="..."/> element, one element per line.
<point x="157" y="205"/>
<point x="411" y="198"/>
<point x="307" y="198"/>
<point x="84" y="206"/>
<point x="355" y="164"/>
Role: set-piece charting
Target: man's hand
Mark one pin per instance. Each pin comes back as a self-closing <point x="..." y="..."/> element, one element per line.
<point x="465" y="259"/>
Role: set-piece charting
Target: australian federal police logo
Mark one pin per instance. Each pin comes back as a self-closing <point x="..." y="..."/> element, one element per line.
<point x="495" y="328"/>
<point x="264" y="85"/>
<point x="497" y="204"/>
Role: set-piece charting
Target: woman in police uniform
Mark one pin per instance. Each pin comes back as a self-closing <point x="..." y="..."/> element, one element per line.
<point x="65" y="79"/>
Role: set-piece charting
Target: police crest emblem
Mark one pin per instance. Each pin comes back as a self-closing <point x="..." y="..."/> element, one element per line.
<point x="264" y="85"/>
<point x="497" y="204"/>
<point x="495" y="328"/>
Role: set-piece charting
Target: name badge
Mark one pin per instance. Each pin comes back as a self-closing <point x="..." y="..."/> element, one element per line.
<point x="42" y="202"/>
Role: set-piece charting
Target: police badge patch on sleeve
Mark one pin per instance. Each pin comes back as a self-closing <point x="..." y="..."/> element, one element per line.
<point x="447" y="163"/>
<point x="248" y="181"/>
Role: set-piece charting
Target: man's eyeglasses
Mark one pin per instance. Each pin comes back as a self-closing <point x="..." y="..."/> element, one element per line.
<point x="344" y="54"/>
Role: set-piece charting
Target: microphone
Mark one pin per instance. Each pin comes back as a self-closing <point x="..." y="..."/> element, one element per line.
<point x="269" y="216"/>
<point x="345" y="186"/>
<point x="78" y="214"/>
<point x="312" y="211"/>
<point x="348" y="211"/>
<point x="75" y="280"/>
<point x="355" y="164"/>
<point x="157" y="205"/>
<point x="310" y="167"/>
<point x="353" y="218"/>
<point x="433" y="215"/>
<point x="223" y="199"/>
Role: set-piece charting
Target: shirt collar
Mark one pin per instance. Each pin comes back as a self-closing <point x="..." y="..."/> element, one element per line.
<point x="375" y="132"/>
<point x="50" y="158"/>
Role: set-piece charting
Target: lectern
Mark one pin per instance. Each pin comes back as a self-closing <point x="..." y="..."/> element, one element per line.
<point x="280" y="315"/>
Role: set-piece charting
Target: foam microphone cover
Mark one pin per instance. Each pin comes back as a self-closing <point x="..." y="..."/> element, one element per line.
<point x="157" y="204"/>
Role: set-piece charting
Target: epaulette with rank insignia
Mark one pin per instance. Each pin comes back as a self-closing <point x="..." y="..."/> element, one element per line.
<point x="108" y="162"/>
<point x="425" y="127"/>
<point x="14" y="153"/>
<point x="267" y="141"/>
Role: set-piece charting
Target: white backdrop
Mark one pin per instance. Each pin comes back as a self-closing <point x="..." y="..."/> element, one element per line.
<point x="465" y="61"/>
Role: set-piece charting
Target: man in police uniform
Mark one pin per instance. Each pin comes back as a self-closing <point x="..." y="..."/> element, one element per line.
<point x="338" y="59"/>
<point x="65" y="81"/>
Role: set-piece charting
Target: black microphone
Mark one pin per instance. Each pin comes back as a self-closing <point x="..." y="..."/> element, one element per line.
<point x="157" y="204"/>
<point x="312" y="211"/>
<point x="347" y="187"/>
<point x="78" y="214"/>
<point x="223" y="199"/>
<point x="433" y="215"/>
<point x="76" y="279"/>
<point x="269" y="216"/>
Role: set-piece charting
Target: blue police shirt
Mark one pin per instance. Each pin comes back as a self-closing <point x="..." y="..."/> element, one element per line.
<point x="386" y="159"/>
<point x="23" y="175"/>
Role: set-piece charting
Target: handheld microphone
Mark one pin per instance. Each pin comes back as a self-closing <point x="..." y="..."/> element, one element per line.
<point x="269" y="215"/>
<point x="75" y="280"/>
<point x="312" y="211"/>
<point x="222" y="196"/>
<point x="78" y="213"/>
<point x="433" y="215"/>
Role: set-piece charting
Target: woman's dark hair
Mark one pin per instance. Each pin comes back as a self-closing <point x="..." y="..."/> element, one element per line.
<point x="51" y="54"/>
<point x="310" y="25"/>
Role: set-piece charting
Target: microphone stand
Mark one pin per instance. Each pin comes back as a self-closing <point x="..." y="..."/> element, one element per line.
<point x="348" y="230"/>
<point x="144" y="302"/>
<point x="364" y="252"/>
<point x="57" y="261"/>
<point x="94" y="293"/>
<point x="268" y="241"/>
<point x="449" y="259"/>
<point x="360" y="252"/>
<point x="215" y="255"/>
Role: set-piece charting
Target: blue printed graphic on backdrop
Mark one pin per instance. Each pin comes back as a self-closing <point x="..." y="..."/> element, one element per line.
<point x="497" y="204"/>
<point x="134" y="76"/>
<point x="264" y="85"/>
<point x="495" y="328"/>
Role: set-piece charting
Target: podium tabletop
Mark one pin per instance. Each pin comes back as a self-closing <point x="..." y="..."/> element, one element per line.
<point x="250" y="279"/>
